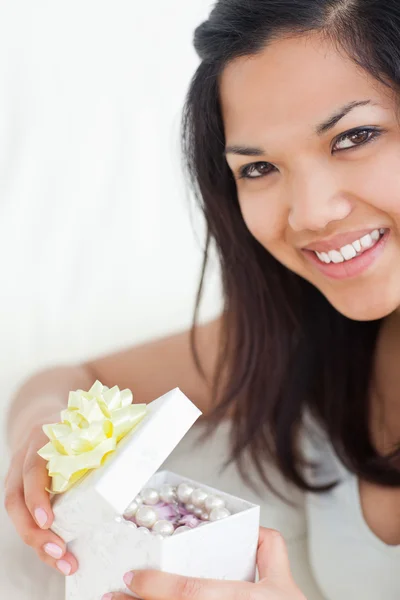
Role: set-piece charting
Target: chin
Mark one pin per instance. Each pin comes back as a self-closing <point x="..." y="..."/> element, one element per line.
<point x="364" y="309"/>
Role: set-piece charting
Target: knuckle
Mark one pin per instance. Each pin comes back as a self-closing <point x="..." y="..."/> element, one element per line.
<point x="28" y="537"/>
<point x="189" y="588"/>
<point x="31" y="464"/>
<point x="249" y="593"/>
<point x="8" y="475"/>
<point x="7" y="480"/>
<point x="11" y="499"/>
<point x="28" y="469"/>
<point x="275" y="535"/>
<point x="15" y="466"/>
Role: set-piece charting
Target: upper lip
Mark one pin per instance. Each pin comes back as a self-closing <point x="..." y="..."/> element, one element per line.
<point x="338" y="241"/>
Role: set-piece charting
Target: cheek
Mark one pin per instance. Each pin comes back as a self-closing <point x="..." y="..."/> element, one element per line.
<point x="378" y="184"/>
<point x="385" y="196"/>
<point x="265" y="216"/>
<point x="267" y="220"/>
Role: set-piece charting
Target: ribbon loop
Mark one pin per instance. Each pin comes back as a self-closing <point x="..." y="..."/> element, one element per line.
<point x="90" y="429"/>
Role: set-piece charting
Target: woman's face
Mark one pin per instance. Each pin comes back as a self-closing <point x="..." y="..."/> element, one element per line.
<point x="314" y="146"/>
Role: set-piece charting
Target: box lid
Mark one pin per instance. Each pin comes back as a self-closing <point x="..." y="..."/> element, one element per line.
<point x="107" y="491"/>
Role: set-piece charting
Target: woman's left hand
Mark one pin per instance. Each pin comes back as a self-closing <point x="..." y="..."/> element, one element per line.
<point x="276" y="582"/>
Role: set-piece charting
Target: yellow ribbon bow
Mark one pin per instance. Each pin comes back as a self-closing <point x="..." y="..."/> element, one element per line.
<point x="90" y="429"/>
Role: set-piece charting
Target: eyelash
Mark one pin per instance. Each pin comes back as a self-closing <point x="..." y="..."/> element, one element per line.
<point x="374" y="133"/>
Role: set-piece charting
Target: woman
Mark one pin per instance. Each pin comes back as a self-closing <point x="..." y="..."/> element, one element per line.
<point x="292" y="138"/>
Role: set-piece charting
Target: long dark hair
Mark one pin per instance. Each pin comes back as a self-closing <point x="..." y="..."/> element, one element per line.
<point x="284" y="349"/>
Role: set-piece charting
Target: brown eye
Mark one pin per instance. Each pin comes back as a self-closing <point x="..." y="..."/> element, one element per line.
<point x="359" y="137"/>
<point x="256" y="170"/>
<point x="355" y="138"/>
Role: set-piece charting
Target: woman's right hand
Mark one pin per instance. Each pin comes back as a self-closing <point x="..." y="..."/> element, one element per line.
<point x="28" y="503"/>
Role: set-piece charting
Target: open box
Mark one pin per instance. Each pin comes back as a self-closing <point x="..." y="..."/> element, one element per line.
<point x="89" y="515"/>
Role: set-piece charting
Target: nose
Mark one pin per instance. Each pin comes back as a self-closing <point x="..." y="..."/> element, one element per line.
<point x="317" y="199"/>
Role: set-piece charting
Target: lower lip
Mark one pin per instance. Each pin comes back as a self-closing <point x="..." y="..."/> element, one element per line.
<point x="349" y="268"/>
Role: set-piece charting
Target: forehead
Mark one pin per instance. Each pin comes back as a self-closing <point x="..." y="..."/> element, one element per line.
<point x="290" y="86"/>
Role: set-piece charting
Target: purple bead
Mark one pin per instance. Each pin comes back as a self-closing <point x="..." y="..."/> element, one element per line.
<point x="166" y="511"/>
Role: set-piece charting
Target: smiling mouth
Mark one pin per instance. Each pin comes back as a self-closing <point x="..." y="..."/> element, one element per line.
<point x="350" y="251"/>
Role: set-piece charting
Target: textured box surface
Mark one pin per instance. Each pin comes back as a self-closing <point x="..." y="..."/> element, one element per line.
<point x="225" y="549"/>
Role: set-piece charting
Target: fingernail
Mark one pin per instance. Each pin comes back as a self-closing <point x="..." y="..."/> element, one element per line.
<point x="107" y="597"/>
<point x="64" y="567"/>
<point x="53" y="550"/>
<point x="128" y="578"/>
<point x="41" y="517"/>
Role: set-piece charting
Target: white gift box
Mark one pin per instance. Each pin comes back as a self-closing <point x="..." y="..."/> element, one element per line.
<point x="89" y="515"/>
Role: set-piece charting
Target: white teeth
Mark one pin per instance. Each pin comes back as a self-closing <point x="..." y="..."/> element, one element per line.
<point x="348" y="252"/>
<point x="366" y="241"/>
<point x="335" y="256"/>
<point x="323" y="257"/>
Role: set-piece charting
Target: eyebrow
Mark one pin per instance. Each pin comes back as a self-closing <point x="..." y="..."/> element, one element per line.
<point x="319" y="129"/>
<point x="336" y="117"/>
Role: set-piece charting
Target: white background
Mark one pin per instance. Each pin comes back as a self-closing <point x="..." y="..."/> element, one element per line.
<point x="97" y="247"/>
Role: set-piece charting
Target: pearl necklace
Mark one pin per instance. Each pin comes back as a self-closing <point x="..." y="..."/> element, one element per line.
<point x="172" y="510"/>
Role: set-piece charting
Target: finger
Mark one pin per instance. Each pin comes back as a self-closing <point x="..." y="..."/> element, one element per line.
<point x="272" y="557"/>
<point x="51" y="549"/>
<point x="66" y="565"/>
<point x="36" y="480"/>
<point x="156" y="585"/>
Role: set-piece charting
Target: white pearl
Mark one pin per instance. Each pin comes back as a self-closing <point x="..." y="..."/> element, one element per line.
<point x="190" y="507"/>
<point x="204" y="516"/>
<point x="132" y="525"/>
<point x="219" y="513"/>
<point x="158" y="536"/>
<point x="146" y="516"/>
<point x="132" y="509"/>
<point x="138" y="499"/>
<point x="198" y="512"/>
<point x="184" y="492"/>
<point x="181" y="529"/>
<point x="167" y="493"/>
<point x="150" y="496"/>
<point x="144" y="530"/>
<point x="214" y="502"/>
<point x="198" y="497"/>
<point x="163" y="527"/>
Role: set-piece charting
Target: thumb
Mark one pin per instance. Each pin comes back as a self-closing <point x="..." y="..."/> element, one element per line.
<point x="272" y="558"/>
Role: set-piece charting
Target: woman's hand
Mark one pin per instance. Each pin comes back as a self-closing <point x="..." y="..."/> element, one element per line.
<point x="28" y="503"/>
<point x="276" y="582"/>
